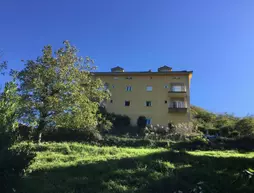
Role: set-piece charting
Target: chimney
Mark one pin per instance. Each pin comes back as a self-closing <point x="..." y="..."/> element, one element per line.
<point x="165" y="69"/>
<point x="117" y="69"/>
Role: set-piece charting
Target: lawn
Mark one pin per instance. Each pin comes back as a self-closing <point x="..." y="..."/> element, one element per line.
<point x="76" y="167"/>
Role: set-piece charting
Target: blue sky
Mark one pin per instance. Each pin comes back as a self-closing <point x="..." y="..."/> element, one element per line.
<point x="213" y="38"/>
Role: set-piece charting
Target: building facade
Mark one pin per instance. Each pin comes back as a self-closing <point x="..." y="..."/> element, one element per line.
<point x="162" y="96"/>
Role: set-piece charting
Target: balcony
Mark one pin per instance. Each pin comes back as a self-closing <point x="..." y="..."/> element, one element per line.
<point x="177" y="107"/>
<point x="177" y="90"/>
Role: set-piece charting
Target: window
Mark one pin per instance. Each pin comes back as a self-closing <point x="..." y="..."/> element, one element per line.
<point x="149" y="88"/>
<point x="111" y="101"/>
<point x="148" y="103"/>
<point x="178" y="87"/>
<point x="113" y="86"/>
<point x="166" y="86"/>
<point x="129" y="78"/>
<point x="165" y="102"/>
<point x="128" y="88"/>
<point x="127" y="103"/>
<point x="178" y="104"/>
<point x="148" y="121"/>
<point x="106" y="85"/>
<point x="115" y="78"/>
<point x="176" y="77"/>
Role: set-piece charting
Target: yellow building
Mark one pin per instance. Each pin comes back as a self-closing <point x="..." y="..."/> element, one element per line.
<point x="162" y="96"/>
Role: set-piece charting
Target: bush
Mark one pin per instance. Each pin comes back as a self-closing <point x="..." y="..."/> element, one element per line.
<point x="119" y="120"/>
<point x="141" y="122"/>
<point x="177" y="132"/>
<point x="13" y="163"/>
<point x="245" y="126"/>
<point x="226" y="130"/>
<point x="132" y="142"/>
<point x="68" y="134"/>
<point x="195" y="143"/>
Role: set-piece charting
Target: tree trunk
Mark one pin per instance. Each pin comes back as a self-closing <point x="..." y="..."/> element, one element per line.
<point x="39" y="137"/>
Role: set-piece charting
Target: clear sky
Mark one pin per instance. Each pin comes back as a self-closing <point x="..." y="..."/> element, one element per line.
<point x="214" y="38"/>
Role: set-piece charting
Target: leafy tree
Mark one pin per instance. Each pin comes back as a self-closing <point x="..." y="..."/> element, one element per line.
<point x="9" y="105"/>
<point x="245" y="126"/>
<point x="58" y="90"/>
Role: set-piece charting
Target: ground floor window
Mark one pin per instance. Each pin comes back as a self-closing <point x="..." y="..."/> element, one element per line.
<point x="148" y="121"/>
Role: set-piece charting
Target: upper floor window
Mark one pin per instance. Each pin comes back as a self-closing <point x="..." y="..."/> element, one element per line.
<point x="128" y="88"/>
<point x="115" y="78"/>
<point x="106" y="85"/>
<point x="178" y="87"/>
<point x="129" y="77"/>
<point x="166" y="86"/>
<point x="127" y="103"/>
<point x="113" y="86"/>
<point x="148" y="103"/>
<point x="149" y="88"/>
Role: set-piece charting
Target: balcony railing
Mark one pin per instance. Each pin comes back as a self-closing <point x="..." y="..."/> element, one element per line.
<point x="177" y="88"/>
<point x="177" y="106"/>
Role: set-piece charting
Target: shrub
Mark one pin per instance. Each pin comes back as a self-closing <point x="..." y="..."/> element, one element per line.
<point x="141" y="122"/>
<point x="68" y="134"/>
<point x="177" y="132"/>
<point x="245" y="126"/>
<point x="195" y="143"/>
<point x="226" y="130"/>
<point x="132" y="142"/>
<point x="13" y="163"/>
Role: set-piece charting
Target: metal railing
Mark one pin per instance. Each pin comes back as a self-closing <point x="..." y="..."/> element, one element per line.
<point x="177" y="105"/>
<point x="177" y="88"/>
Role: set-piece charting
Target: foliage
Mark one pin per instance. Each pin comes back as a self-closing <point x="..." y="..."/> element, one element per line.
<point x="132" y="142"/>
<point x="210" y="123"/>
<point x="141" y="122"/>
<point x="245" y="126"/>
<point x="220" y="143"/>
<point x="178" y="131"/>
<point x="13" y="164"/>
<point x="59" y="90"/>
<point x="75" y="167"/>
<point x="9" y="108"/>
<point x="116" y="123"/>
<point x="69" y="134"/>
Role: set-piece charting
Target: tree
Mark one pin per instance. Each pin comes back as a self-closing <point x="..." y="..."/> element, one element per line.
<point x="59" y="90"/>
<point x="9" y="105"/>
<point x="245" y="126"/>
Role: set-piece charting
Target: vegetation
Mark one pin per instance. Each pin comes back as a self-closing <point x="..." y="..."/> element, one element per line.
<point x="141" y="122"/>
<point x="58" y="91"/>
<point x="224" y="124"/>
<point x="56" y="97"/>
<point x="75" y="167"/>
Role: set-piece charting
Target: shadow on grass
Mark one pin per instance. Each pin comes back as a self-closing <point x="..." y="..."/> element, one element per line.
<point x="155" y="173"/>
<point x="244" y="144"/>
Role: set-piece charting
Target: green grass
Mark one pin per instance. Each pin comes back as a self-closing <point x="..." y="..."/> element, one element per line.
<point x="76" y="167"/>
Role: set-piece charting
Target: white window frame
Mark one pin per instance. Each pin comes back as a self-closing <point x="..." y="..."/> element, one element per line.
<point x="178" y="104"/>
<point x="147" y="103"/>
<point x="149" y="88"/>
<point x="128" y="88"/>
<point x="148" y="121"/>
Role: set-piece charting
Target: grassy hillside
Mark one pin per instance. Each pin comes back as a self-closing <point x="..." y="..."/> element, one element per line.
<point x="75" y="167"/>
